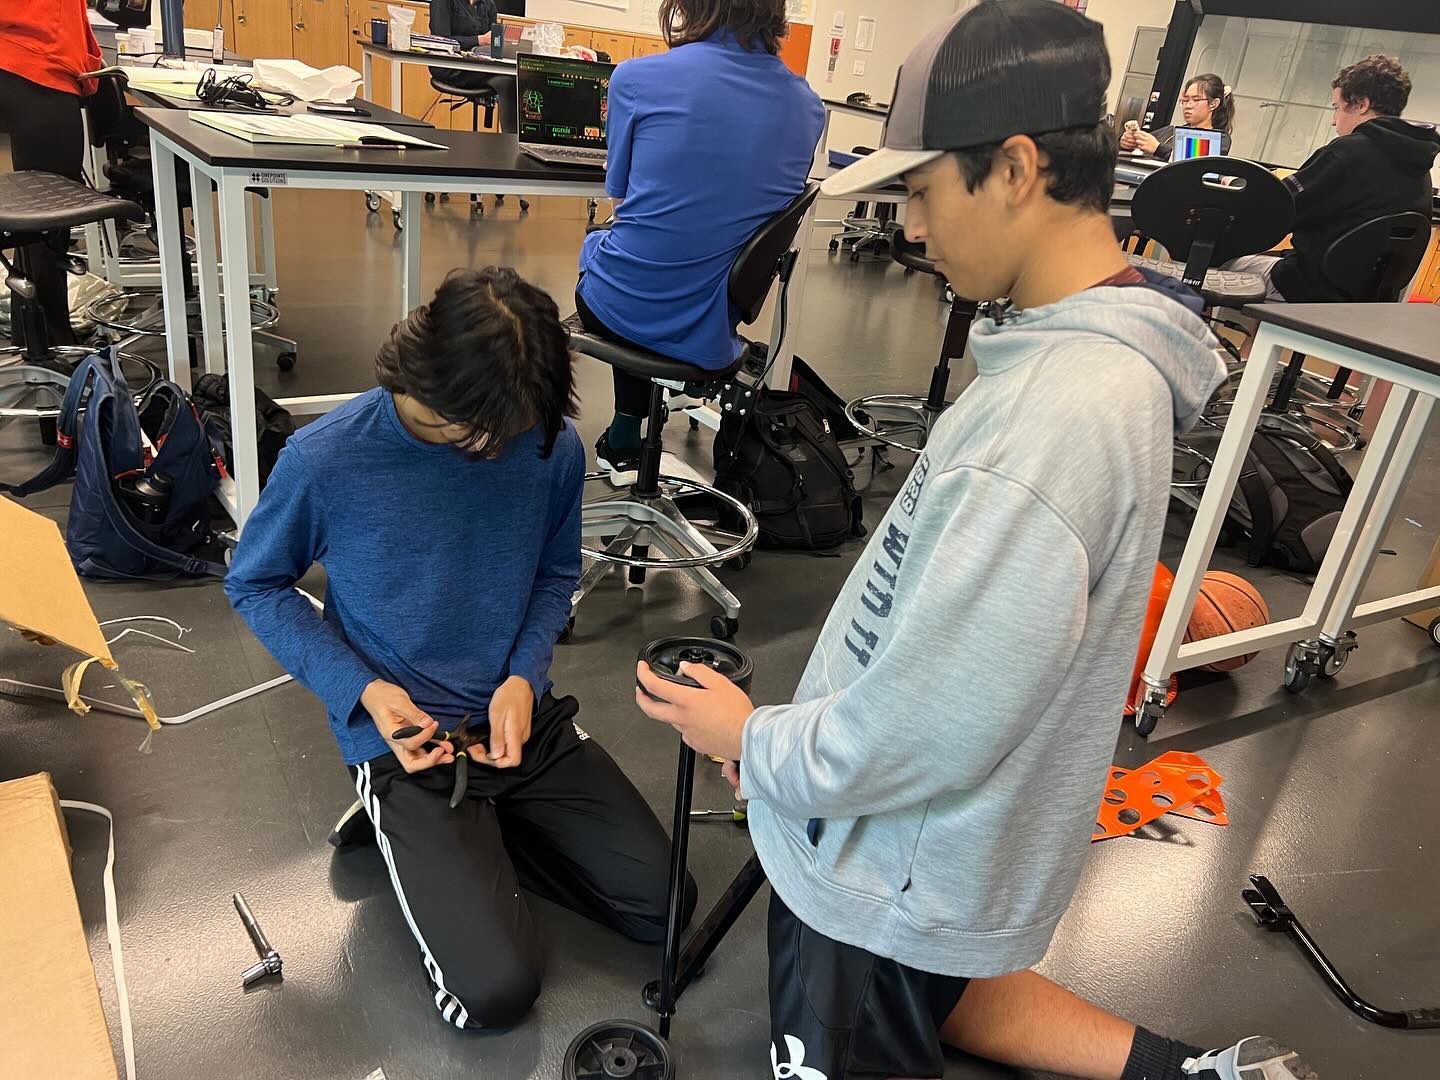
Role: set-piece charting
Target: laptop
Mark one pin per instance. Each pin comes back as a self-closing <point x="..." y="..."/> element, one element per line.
<point x="1196" y="142"/>
<point x="563" y="108"/>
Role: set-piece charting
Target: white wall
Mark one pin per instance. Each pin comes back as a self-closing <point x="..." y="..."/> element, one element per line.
<point x="898" y="28"/>
<point x="1120" y="18"/>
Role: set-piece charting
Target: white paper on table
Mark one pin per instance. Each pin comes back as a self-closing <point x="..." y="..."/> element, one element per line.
<point x="337" y="84"/>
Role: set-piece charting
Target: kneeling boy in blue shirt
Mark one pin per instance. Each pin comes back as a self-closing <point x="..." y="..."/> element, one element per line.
<point x="445" y="508"/>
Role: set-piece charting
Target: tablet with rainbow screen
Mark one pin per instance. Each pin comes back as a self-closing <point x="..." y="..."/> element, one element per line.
<point x="1196" y="142"/>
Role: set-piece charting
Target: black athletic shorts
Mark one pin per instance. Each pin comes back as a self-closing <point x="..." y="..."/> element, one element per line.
<point x="840" y="1013"/>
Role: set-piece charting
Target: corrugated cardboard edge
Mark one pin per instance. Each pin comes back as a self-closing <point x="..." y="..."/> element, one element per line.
<point x="52" y="1025"/>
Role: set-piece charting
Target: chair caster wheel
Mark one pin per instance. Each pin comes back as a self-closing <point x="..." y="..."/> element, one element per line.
<point x="1146" y="719"/>
<point x="444" y="196"/>
<point x="1434" y="633"/>
<point x="834" y="246"/>
<point x="499" y="200"/>
<point x="694" y="424"/>
<point x="372" y="202"/>
<point x="739" y="562"/>
<point x="285" y="361"/>
<point x="1301" y="664"/>
<point x="567" y="633"/>
<point x="399" y="221"/>
<point x="1333" y="658"/>
<point x="618" y="1049"/>
<point x="635" y="575"/>
<point x="524" y="206"/>
<point x="430" y="198"/>
<point x="724" y="628"/>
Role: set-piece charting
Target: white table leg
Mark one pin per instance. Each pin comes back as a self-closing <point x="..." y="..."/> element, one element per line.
<point x="1250" y="398"/>
<point x="169" y="228"/>
<point x="267" y="242"/>
<point x="1410" y="414"/>
<point x="395" y="69"/>
<point x="367" y="74"/>
<point x="409" y="252"/>
<point x="239" y="347"/>
<point x="207" y="278"/>
<point x="783" y="357"/>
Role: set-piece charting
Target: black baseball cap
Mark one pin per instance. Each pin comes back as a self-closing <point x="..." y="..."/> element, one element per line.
<point x="1003" y="68"/>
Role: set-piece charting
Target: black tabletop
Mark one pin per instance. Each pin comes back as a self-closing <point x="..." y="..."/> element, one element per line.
<point x="878" y="111"/>
<point x="1407" y="334"/>
<point x="468" y="153"/>
<point x="507" y="56"/>
<point x="378" y="113"/>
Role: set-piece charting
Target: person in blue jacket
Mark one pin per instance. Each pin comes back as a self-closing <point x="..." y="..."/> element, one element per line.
<point x="444" y="506"/>
<point x="706" y="142"/>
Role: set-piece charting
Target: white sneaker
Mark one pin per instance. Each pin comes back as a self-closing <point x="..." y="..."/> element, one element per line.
<point x="1252" y="1058"/>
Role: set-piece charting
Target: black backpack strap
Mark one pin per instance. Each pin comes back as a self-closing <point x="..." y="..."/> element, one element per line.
<point x="1256" y="493"/>
<point x="127" y="532"/>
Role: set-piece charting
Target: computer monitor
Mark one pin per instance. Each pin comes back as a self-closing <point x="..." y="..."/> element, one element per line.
<point x="1196" y="142"/>
<point x="563" y="102"/>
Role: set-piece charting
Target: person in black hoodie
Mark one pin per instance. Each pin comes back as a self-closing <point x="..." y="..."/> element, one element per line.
<point x="1379" y="165"/>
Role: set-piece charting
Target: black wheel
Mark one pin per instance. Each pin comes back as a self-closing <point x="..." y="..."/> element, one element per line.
<point x="1333" y="661"/>
<point x="739" y="562"/>
<point x="499" y="200"/>
<point x="567" y="633"/>
<point x="1435" y="632"/>
<point x="694" y="424"/>
<point x="909" y="271"/>
<point x="1146" y="719"/>
<point x="444" y="196"/>
<point x="1297" y="670"/>
<point x="636" y="575"/>
<point x="399" y="221"/>
<point x="49" y="431"/>
<point x="430" y="198"/>
<point x="854" y="255"/>
<point x="285" y="361"/>
<point x="618" y="1050"/>
<point x="834" y="246"/>
<point x="724" y="627"/>
<point x="524" y="206"/>
<point x="372" y="202"/>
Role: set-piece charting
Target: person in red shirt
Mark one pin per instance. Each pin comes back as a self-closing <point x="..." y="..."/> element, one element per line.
<point x="46" y="49"/>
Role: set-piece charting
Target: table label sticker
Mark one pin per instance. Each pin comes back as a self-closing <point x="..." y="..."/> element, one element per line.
<point x="269" y="179"/>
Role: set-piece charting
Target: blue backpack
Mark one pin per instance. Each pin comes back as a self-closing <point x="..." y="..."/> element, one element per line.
<point x="131" y="515"/>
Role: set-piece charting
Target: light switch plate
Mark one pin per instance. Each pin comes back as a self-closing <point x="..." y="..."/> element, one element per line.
<point x="859" y="67"/>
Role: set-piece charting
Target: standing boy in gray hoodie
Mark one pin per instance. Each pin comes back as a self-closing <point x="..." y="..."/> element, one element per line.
<point x="978" y="655"/>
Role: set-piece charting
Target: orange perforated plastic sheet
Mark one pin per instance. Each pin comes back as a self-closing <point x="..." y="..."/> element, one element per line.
<point x="1173" y="783"/>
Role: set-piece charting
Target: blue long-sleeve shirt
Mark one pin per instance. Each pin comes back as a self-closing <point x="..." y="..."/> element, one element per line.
<point x="445" y="575"/>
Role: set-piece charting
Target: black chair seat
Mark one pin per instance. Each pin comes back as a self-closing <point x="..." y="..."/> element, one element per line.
<point x="642" y="362"/>
<point x="35" y="203"/>
<point x="1223" y="288"/>
<point x="480" y="94"/>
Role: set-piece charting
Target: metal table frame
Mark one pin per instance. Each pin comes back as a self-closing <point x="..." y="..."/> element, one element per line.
<point x="1324" y="629"/>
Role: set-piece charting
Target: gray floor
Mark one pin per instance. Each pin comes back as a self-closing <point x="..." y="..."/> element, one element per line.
<point x="1331" y="793"/>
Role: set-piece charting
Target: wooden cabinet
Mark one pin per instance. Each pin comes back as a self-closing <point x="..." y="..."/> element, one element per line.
<point x="649" y="46"/>
<point x="578" y="35"/>
<point x="319" y="29"/>
<point x="620" y="47"/>
<point x="1427" y="284"/>
<point x="262" y="28"/>
<point x="200" y="15"/>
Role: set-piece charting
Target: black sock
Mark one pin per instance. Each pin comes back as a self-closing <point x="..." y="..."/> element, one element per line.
<point x="1154" y="1057"/>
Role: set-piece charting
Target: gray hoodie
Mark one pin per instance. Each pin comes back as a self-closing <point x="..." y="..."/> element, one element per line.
<point x="930" y="794"/>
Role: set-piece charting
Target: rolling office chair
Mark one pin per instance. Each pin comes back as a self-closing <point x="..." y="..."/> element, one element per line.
<point x="489" y="99"/>
<point x="861" y="232"/>
<point x="1372" y="263"/>
<point x="904" y="421"/>
<point x="622" y="529"/>
<point x="42" y="208"/>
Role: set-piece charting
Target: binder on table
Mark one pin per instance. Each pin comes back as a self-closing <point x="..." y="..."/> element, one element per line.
<point x="311" y="131"/>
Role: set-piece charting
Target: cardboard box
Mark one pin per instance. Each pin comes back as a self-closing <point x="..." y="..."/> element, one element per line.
<point x="51" y="1022"/>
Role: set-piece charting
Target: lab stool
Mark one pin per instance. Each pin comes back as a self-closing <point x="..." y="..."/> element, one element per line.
<point x="904" y="421"/>
<point x="42" y="208"/>
<point x="486" y="98"/>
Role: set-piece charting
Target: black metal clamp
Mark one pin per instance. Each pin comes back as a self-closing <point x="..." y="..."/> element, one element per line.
<point x="1271" y="911"/>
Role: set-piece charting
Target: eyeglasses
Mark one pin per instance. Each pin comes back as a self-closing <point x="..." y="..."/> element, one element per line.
<point x="1192" y="100"/>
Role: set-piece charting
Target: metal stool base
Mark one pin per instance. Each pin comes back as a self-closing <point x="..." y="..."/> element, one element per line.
<point x="902" y="421"/>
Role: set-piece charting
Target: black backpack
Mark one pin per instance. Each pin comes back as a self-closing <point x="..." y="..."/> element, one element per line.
<point x="1289" y="496"/>
<point x="273" y="423"/>
<point x="782" y="460"/>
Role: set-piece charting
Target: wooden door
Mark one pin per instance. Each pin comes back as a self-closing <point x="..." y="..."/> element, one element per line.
<point x="263" y="29"/>
<point x="200" y="15"/>
<point x="578" y="35"/>
<point x="321" y="31"/>
<point x="649" y="46"/>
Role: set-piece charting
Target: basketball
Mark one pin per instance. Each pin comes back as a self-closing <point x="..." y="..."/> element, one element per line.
<point x="1226" y="603"/>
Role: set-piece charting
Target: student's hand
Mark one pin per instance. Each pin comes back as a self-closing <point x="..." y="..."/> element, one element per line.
<point x="710" y="719"/>
<point x="391" y="709"/>
<point x="731" y="772"/>
<point x="1128" y="139"/>
<point x="1147" y="143"/>
<point x="483" y="39"/>
<point x="511" y="709"/>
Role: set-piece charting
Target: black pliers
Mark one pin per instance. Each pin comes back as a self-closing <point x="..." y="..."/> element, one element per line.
<point x="462" y="738"/>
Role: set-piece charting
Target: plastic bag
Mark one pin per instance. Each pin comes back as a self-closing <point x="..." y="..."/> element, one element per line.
<point x="337" y="84"/>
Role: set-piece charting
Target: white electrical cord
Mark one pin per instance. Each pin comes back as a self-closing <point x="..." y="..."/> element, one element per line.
<point x="112" y="933"/>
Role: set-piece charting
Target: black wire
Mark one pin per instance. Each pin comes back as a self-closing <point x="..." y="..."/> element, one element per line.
<point x="237" y="90"/>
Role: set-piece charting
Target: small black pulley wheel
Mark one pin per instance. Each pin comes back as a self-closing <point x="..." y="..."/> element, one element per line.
<point x="1435" y="632"/>
<point x="667" y="654"/>
<point x="618" y="1050"/>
